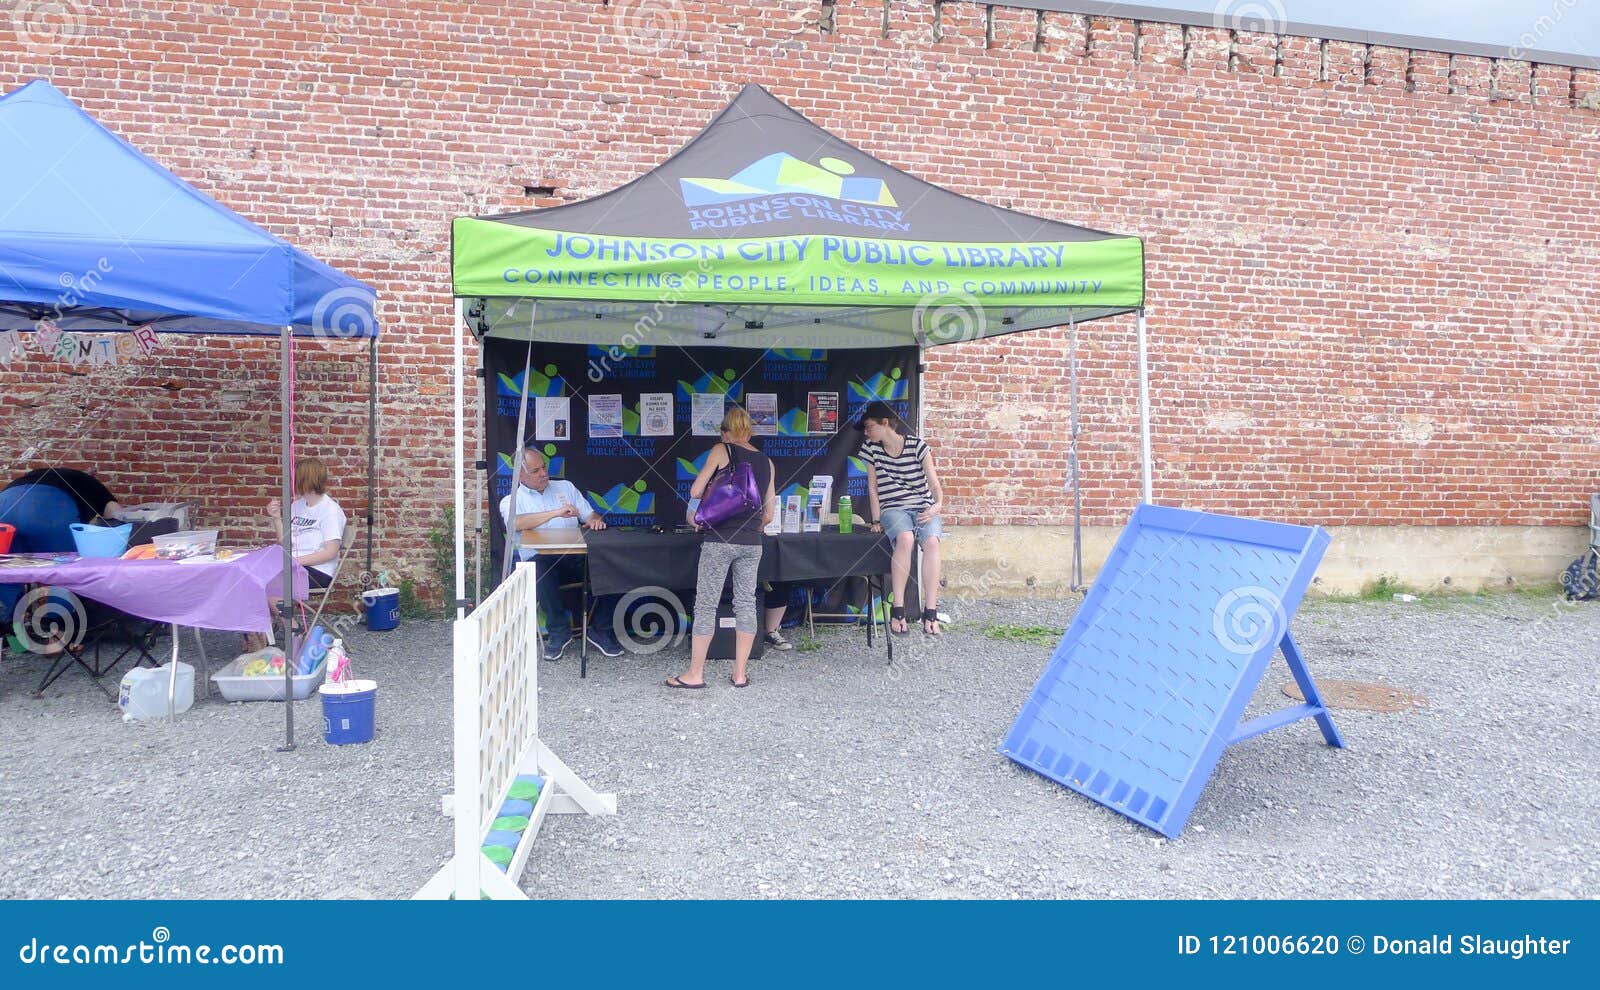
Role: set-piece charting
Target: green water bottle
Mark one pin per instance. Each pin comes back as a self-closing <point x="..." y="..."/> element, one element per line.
<point x="847" y="522"/>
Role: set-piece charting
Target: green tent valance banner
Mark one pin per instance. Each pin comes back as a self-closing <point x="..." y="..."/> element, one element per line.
<point x="495" y="259"/>
<point x="768" y="231"/>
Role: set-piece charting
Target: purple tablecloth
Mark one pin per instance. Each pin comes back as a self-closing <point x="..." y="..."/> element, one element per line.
<point x="228" y="595"/>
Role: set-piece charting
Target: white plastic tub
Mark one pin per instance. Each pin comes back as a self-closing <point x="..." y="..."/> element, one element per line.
<point x="230" y="680"/>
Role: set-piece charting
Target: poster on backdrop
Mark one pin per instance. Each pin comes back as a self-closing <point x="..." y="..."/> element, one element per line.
<point x="605" y="415"/>
<point x="822" y="413"/>
<point x="655" y="414"/>
<point x="641" y="477"/>
<point x="706" y="410"/>
<point x="552" y="418"/>
<point x="763" y="410"/>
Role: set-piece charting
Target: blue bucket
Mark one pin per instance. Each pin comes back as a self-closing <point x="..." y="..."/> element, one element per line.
<point x="383" y="608"/>
<point x="349" y="712"/>
<point x="101" y="541"/>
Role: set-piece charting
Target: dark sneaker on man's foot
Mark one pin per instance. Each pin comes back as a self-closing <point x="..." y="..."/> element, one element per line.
<point x="553" y="648"/>
<point x="775" y="641"/>
<point x="605" y="643"/>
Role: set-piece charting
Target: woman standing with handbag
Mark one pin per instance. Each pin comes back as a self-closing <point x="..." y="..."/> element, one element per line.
<point x="737" y="501"/>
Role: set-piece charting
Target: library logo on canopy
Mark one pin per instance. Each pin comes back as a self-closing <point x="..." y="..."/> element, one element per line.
<point x="781" y="186"/>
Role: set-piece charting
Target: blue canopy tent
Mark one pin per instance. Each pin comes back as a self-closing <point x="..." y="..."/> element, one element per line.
<point x="95" y="236"/>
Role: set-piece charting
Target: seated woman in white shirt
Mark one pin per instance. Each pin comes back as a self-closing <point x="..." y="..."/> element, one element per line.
<point x="316" y="520"/>
<point x="317" y="523"/>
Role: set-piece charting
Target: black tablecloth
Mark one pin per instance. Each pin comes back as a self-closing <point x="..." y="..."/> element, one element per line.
<point x="621" y="560"/>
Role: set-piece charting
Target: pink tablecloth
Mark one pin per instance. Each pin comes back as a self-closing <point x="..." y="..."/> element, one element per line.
<point x="228" y="595"/>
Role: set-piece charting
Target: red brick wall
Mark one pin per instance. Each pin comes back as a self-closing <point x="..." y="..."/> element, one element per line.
<point x="1370" y="303"/>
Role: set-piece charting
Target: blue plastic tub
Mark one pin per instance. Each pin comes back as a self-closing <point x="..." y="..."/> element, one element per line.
<point x="101" y="541"/>
<point x="349" y="712"/>
<point x="383" y="608"/>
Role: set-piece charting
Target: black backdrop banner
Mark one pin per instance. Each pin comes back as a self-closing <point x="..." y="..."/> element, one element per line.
<point x="619" y="423"/>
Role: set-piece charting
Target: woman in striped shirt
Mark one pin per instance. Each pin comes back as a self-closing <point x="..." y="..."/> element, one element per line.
<point x="903" y="489"/>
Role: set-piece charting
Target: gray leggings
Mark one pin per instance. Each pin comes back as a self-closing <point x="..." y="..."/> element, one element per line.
<point x="715" y="560"/>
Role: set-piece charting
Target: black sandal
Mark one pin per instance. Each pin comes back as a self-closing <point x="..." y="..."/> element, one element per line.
<point x="676" y="682"/>
<point x="930" y="617"/>
<point x="739" y="684"/>
<point x="897" y="613"/>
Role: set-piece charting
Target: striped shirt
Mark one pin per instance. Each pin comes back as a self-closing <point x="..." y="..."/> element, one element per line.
<point x="902" y="482"/>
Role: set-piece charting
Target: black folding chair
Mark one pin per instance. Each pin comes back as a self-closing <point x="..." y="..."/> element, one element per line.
<point x="106" y="630"/>
<point x="111" y="632"/>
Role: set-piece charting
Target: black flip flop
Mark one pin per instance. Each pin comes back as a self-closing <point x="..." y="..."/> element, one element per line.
<point x="898" y="614"/>
<point x="739" y="684"/>
<point x="674" y="682"/>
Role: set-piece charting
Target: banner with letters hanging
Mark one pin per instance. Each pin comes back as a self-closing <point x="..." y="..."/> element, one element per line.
<point x="631" y="427"/>
<point x="48" y="343"/>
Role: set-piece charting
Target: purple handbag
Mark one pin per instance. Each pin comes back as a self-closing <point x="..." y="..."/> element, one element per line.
<point x="731" y="493"/>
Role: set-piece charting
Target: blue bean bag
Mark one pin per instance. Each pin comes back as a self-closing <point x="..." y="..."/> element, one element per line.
<point x="43" y="517"/>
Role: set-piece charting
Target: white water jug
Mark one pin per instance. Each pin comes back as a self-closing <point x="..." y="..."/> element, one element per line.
<point x="144" y="691"/>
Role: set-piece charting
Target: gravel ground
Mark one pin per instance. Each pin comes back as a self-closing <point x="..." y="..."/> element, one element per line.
<point x="835" y="776"/>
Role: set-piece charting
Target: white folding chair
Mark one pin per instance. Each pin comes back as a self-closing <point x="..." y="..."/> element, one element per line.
<point x="345" y="544"/>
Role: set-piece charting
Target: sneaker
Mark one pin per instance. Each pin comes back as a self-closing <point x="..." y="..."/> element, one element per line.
<point x="555" y="647"/>
<point x="606" y="644"/>
<point x="775" y="641"/>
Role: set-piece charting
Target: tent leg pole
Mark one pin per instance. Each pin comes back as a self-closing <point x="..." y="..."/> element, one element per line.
<point x="461" y="477"/>
<point x="1144" y="412"/>
<point x="372" y="448"/>
<point x="286" y="519"/>
<point x="1072" y="458"/>
<point x="509" y="551"/>
<point x="914" y="579"/>
<point x="922" y="364"/>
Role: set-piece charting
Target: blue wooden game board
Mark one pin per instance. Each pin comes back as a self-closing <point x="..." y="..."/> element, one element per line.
<point x="1147" y="686"/>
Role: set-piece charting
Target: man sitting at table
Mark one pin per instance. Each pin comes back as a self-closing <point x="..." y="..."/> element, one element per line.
<point x="545" y="505"/>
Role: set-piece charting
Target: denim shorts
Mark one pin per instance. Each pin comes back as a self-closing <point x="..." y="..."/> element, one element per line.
<point x="897" y="521"/>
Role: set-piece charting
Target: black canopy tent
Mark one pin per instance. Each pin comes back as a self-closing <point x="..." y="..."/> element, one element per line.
<point x="767" y="231"/>
<point x="95" y="236"/>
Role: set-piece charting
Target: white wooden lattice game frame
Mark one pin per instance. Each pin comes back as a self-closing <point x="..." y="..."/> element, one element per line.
<point x="496" y="715"/>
